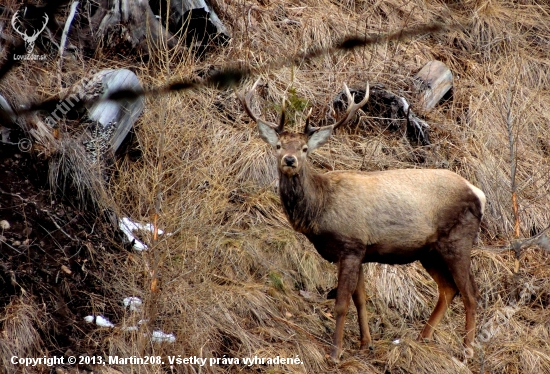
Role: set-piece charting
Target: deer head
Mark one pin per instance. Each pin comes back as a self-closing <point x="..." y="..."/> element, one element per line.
<point x="292" y="149"/>
<point x="29" y="39"/>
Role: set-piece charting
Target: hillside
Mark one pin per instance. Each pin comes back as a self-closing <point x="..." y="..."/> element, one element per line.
<point x="233" y="279"/>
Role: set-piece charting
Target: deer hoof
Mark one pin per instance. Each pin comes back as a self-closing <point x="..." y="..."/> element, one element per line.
<point x="364" y="347"/>
<point x="335" y="356"/>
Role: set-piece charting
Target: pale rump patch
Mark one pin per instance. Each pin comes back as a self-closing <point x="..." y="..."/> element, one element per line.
<point x="480" y="195"/>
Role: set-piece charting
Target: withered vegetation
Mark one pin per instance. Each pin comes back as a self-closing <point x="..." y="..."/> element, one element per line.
<point x="234" y="278"/>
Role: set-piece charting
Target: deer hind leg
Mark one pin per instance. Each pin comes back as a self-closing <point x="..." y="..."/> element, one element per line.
<point x="456" y="252"/>
<point x="360" y="300"/>
<point x="463" y="277"/>
<point x="437" y="268"/>
<point x="348" y="275"/>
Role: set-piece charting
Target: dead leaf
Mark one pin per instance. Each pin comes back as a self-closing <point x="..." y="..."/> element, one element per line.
<point x="327" y="316"/>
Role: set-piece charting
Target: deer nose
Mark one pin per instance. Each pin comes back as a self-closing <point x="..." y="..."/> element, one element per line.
<point x="289" y="160"/>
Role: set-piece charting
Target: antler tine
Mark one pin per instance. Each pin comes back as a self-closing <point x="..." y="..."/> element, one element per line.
<point x="13" y="23"/>
<point x="308" y="129"/>
<point x="282" y="119"/>
<point x="44" y="26"/>
<point x="352" y="106"/>
<point x="245" y="101"/>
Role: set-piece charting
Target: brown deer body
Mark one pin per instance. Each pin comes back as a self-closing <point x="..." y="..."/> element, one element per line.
<point x="389" y="217"/>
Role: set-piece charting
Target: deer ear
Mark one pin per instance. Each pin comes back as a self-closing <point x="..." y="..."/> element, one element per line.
<point x="319" y="137"/>
<point x="268" y="133"/>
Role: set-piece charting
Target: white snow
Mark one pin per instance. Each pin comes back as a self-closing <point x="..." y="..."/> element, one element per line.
<point x="99" y="320"/>
<point x="133" y="303"/>
<point x="159" y="337"/>
<point x="128" y="227"/>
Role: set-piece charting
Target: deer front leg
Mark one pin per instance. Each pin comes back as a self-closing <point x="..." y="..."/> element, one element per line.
<point x="348" y="275"/>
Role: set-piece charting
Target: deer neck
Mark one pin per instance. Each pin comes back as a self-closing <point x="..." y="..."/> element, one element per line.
<point x="304" y="198"/>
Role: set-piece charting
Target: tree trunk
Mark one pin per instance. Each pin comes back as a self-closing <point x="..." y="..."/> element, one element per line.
<point x="121" y="115"/>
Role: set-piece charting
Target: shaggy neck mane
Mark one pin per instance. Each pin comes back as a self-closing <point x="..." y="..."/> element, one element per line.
<point x="304" y="197"/>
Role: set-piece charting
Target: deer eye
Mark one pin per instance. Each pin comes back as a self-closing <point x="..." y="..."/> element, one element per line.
<point x="304" y="149"/>
<point x="278" y="146"/>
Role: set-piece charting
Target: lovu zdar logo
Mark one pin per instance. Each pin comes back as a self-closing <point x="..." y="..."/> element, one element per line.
<point x="29" y="39"/>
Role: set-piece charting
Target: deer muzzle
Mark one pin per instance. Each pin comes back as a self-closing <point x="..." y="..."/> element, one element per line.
<point x="289" y="161"/>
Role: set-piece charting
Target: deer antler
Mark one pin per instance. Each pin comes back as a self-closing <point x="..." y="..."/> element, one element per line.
<point x="352" y="106"/>
<point x="43" y="26"/>
<point x="245" y="101"/>
<point x="350" y="112"/>
<point x="308" y="129"/>
<point x="14" y="19"/>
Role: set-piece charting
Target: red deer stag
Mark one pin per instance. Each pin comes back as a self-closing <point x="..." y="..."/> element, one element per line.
<point x="389" y="217"/>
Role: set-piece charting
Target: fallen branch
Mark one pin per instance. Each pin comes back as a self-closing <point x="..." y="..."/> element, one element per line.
<point x="517" y="245"/>
<point x="64" y="36"/>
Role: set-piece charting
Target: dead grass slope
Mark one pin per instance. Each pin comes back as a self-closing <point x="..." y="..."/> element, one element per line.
<point x="232" y="272"/>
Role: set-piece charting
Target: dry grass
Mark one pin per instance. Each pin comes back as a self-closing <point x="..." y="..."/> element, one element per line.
<point x="21" y="321"/>
<point x="232" y="272"/>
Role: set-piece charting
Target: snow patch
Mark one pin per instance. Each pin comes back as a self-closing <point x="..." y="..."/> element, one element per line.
<point x="99" y="320"/>
<point x="160" y="337"/>
<point x="133" y="303"/>
<point x="128" y="227"/>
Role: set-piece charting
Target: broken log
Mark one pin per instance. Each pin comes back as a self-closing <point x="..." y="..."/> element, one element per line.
<point x="195" y="20"/>
<point x="432" y="83"/>
<point x="109" y="121"/>
<point x="125" y="26"/>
